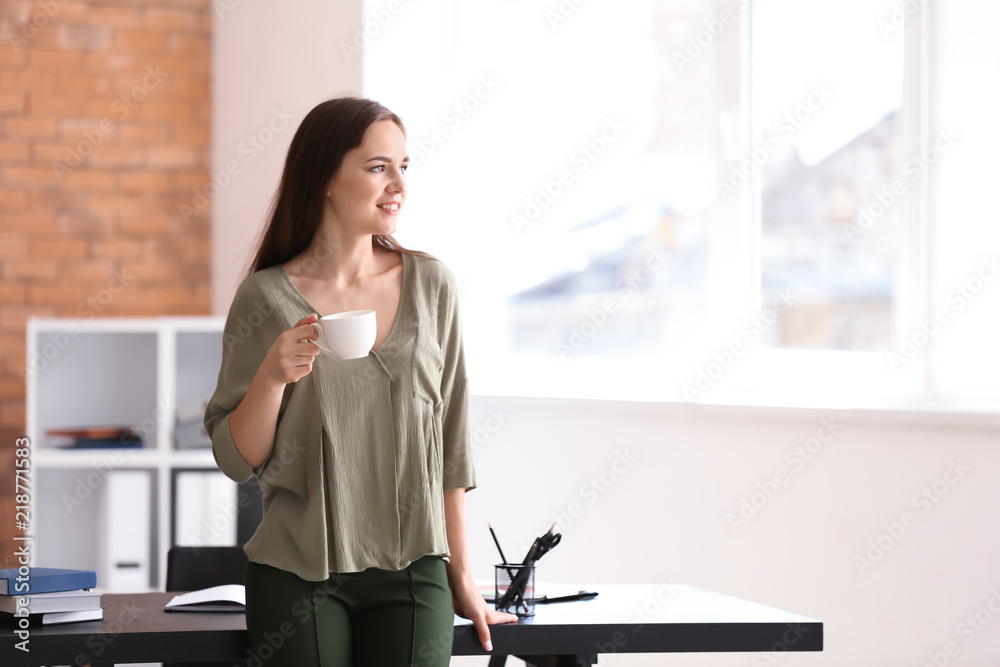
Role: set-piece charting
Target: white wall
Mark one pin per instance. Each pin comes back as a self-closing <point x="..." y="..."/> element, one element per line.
<point x="268" y="59"/>
<point x="664" y="517"/>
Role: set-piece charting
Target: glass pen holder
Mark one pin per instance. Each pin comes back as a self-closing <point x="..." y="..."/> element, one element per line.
<point x="515" y="589"/>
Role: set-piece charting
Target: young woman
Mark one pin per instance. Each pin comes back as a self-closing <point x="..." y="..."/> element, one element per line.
<point x="361" y="556"/>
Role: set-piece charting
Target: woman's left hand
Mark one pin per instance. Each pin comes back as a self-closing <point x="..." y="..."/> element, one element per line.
<point x="469" y="603"/>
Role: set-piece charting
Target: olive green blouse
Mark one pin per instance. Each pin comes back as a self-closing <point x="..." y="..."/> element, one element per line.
<point x="364" y="448"/>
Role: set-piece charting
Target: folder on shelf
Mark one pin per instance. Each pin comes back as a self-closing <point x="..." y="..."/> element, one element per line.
<point x="205" y="509"/>
<point x="126" y="534"/>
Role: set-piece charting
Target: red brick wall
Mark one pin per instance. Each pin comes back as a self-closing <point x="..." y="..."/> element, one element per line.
<point x="105" y="112"/>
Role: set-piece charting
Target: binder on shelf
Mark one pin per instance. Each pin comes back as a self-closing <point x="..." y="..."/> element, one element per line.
<point x="126" y="535"/>
<point x="45" y="580"/>
<point x="205" y="509"/>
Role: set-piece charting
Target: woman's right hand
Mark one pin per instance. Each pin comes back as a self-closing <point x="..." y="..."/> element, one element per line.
<point x="292" y="353"/>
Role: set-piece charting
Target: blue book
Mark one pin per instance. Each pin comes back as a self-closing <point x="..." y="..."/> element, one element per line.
<point x="45" y="580"/>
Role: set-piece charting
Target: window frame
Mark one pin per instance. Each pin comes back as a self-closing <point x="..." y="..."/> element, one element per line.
<point x="857" y="378"/>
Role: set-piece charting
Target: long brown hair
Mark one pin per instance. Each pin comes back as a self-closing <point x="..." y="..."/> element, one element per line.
<point x="327" y="133"/>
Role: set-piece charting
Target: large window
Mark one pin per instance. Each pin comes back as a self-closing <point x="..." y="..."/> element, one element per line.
<point x="826" y="93"/>
<point x="672" y="199"/>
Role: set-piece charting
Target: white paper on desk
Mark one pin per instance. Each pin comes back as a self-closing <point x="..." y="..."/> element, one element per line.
<point x="228" y="597"/>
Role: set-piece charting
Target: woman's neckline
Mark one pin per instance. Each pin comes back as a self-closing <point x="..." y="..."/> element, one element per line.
<point x="399" y="307"/>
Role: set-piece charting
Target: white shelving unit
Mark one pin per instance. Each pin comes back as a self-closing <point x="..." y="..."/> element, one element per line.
<point x="112" y="372"/>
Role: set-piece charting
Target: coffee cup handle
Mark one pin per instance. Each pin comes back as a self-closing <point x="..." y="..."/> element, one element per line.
<point x="318" y="343"/>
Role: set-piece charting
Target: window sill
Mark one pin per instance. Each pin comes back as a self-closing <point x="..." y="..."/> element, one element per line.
<point x="914" y="412"/>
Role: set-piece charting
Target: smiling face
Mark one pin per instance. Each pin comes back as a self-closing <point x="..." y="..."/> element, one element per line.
<point x="367" y="192"/>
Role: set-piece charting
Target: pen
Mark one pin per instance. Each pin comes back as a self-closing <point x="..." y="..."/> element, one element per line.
<point x="503" y="559"/>
<point x="582" y="595"/>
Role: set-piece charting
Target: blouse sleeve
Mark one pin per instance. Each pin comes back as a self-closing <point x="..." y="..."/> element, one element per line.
<point x="457" y="450"/>
<point x="247" y="337"/>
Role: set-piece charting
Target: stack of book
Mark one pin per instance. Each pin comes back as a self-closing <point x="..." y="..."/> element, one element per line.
<point x="49" y="595"/>
<point x="93" y="437"/>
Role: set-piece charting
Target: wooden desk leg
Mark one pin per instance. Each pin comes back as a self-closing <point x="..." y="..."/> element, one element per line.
<point x="498" y="661"/>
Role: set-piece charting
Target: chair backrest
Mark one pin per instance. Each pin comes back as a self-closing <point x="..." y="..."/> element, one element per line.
<point x="194" y="568"/>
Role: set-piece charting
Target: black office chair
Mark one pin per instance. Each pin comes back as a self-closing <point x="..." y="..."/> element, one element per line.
<point x="194" y="568"/>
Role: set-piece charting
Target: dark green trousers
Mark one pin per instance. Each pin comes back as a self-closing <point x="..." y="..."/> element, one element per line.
<point x="376" y="618"/>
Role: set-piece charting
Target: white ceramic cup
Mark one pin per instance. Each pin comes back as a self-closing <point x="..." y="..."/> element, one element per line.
<point x="349" y="335"/>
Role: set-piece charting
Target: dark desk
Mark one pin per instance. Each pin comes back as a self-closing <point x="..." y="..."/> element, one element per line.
<point x="622" y="619"/>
